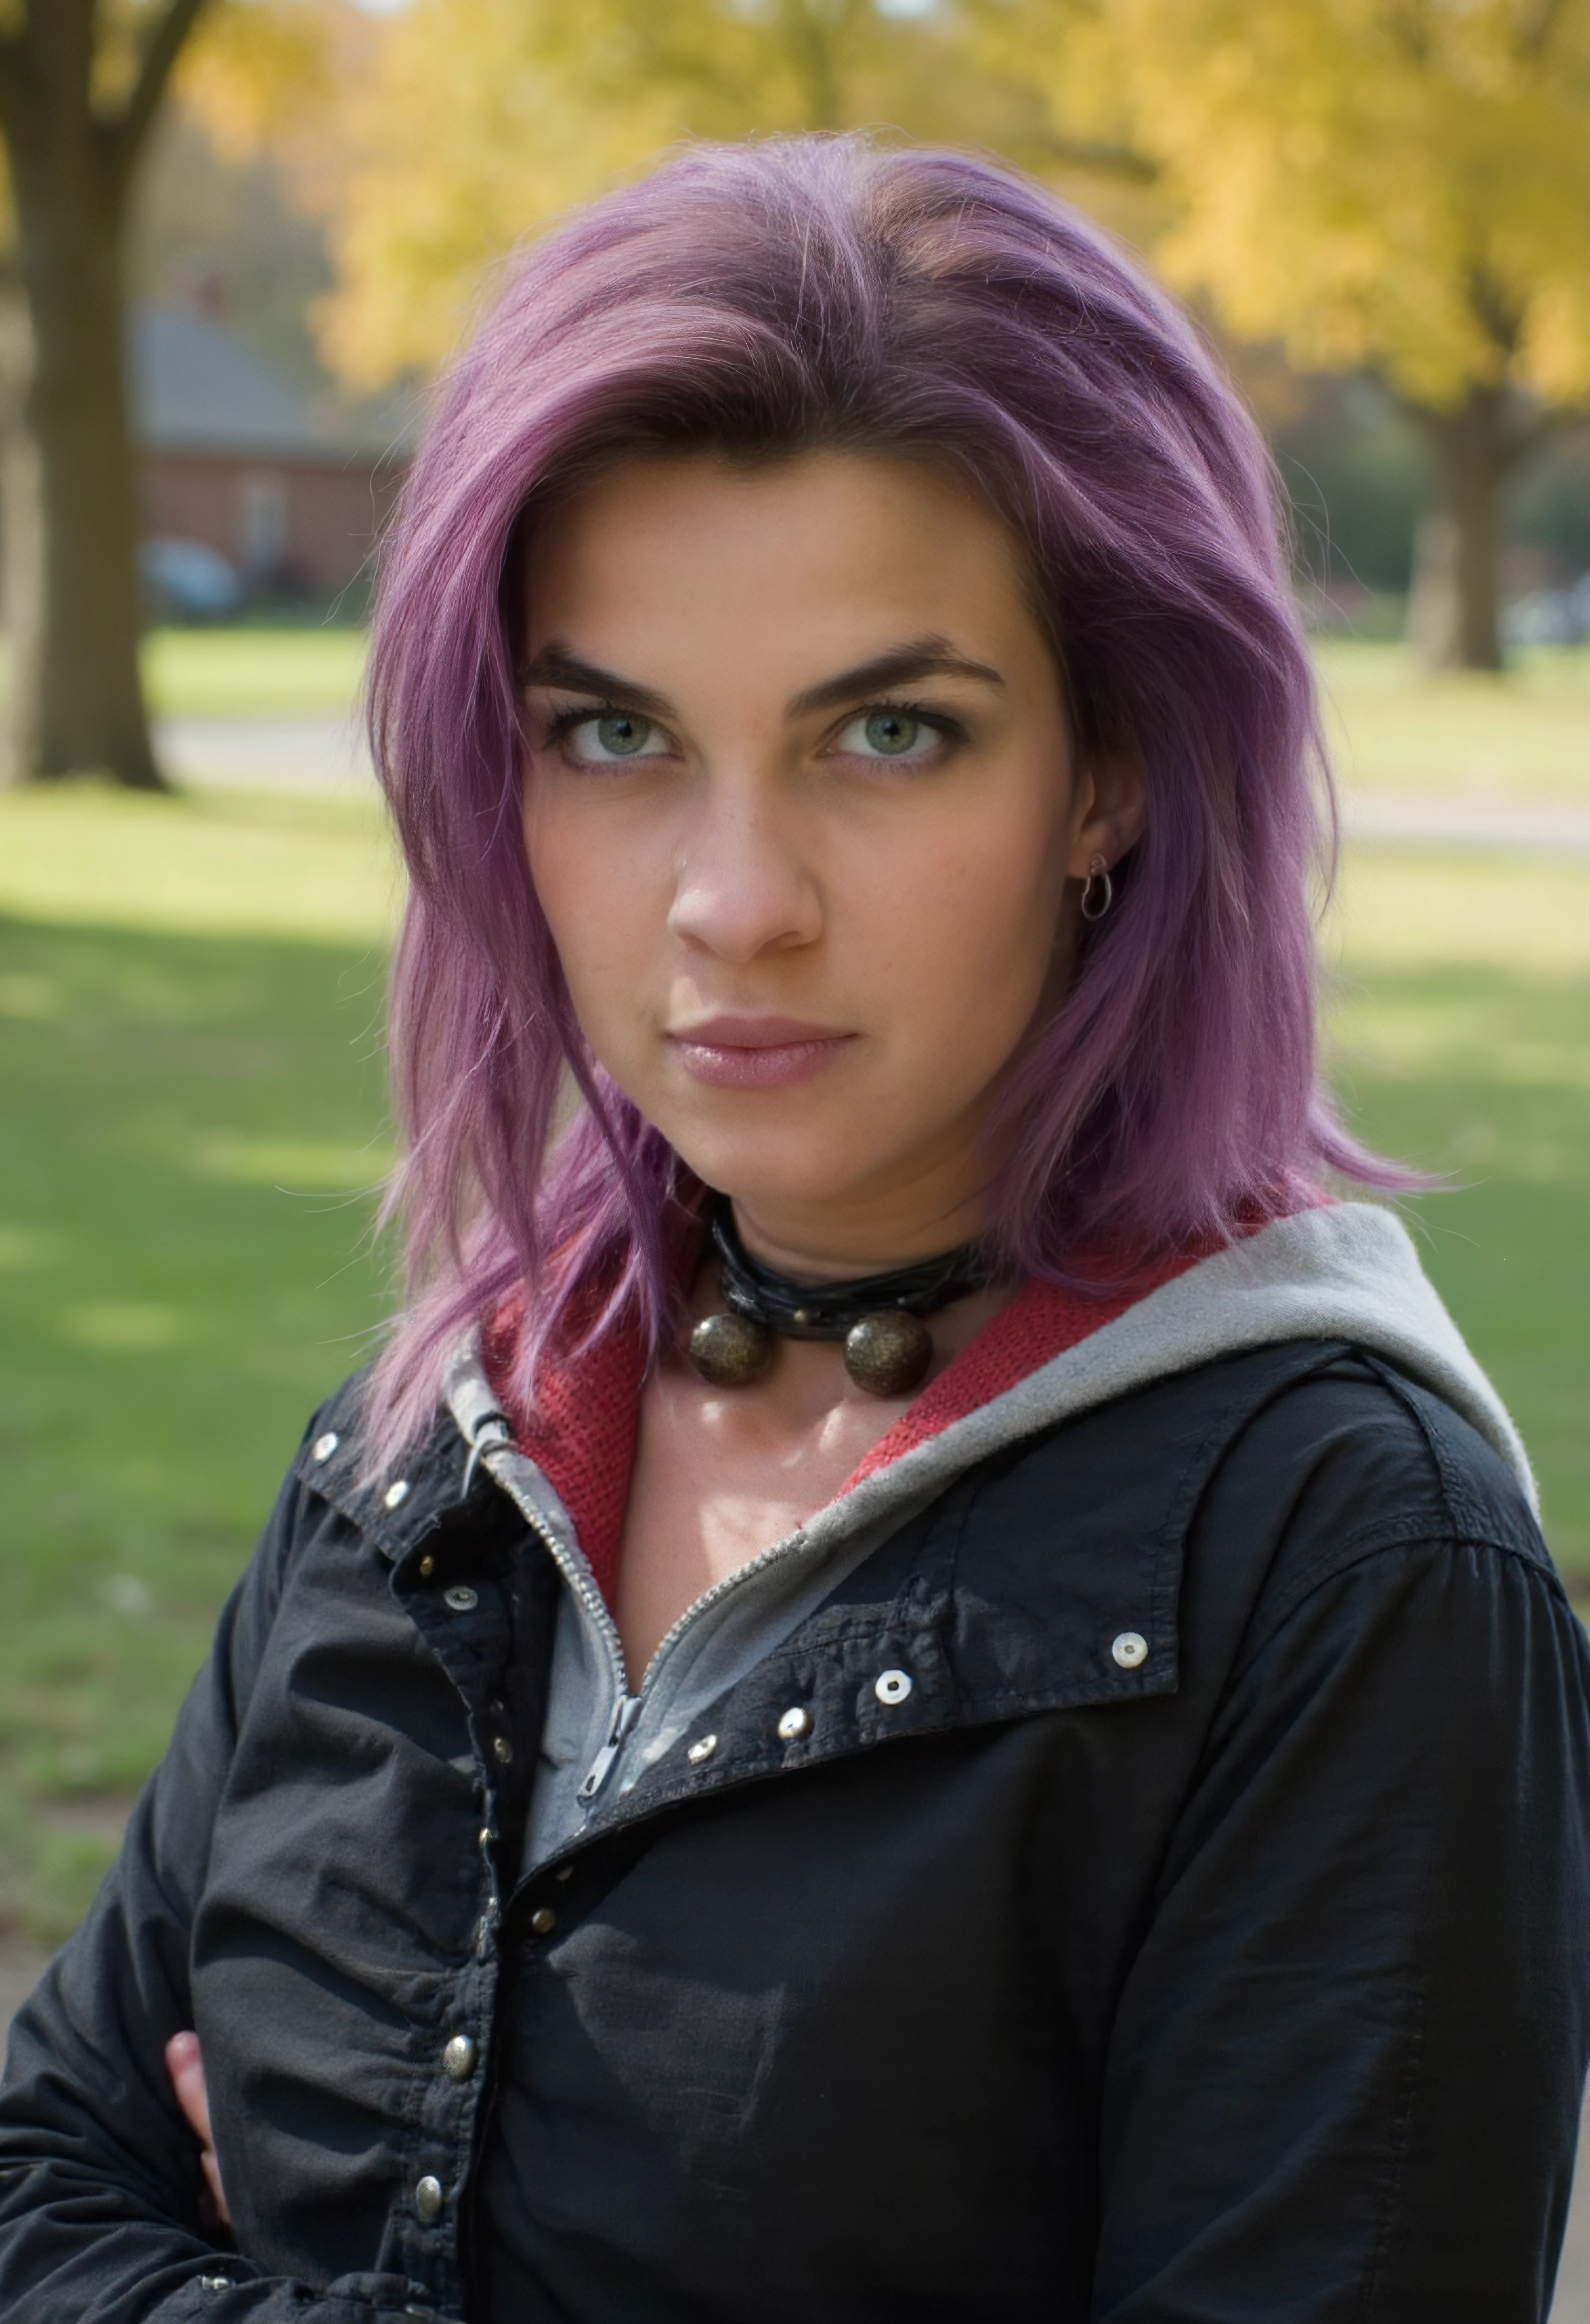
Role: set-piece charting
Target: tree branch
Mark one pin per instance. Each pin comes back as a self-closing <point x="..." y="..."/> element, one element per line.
<point x="164" y="45"/>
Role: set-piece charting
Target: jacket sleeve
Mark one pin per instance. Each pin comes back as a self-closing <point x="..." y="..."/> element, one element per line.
<point x="99" y="2184"/>
<point x="1345" y="2070"/>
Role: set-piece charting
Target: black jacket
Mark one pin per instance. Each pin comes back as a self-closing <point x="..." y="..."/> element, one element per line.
<point x="1246" y="1984"/>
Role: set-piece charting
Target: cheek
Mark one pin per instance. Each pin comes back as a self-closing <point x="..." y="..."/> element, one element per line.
<point x="970" y="922"/>
<point x="596" y="898"/>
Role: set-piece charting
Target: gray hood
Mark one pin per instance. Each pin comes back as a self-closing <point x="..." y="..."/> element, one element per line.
<point x="1347" y="1271"/>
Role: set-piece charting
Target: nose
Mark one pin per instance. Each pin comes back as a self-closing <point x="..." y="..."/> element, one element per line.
<point x="743" y="884"/>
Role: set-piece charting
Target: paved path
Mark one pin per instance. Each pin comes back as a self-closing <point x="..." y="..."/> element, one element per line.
<point x="327" y="754"/>
<point x="1571" y="2306"/>
<point x="1544" y="827"/>
<point x="305" y="754"/>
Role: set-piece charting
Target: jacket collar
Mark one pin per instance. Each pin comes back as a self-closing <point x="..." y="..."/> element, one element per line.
<point x="1343" y="1272"/>
<point x="1044" y="1577"/>
<point x="1048" y="1578"/>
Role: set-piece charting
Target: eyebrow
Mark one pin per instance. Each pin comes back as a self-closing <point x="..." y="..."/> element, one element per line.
<point x="902" y="665"/>
<point x="556" y="666"/>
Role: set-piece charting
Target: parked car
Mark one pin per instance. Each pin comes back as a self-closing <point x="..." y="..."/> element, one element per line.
<point x="185" y="581"/>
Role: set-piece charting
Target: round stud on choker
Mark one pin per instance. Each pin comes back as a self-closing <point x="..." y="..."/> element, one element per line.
<point x="888" y="1354"/>
<point x="730" y="1350"/>
<point x="887" y="1348"/>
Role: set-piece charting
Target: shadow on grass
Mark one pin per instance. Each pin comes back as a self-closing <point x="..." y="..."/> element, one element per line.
<point x="1481" y="1075"/>
<point x="191" y="1128"/>
<point x="185" y="1273"/>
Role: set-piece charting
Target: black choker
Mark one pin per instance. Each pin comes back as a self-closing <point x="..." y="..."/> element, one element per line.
<point x="886" y="1348"/>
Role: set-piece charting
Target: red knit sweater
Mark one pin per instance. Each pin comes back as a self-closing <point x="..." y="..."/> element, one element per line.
<point x="582" y="1436"/>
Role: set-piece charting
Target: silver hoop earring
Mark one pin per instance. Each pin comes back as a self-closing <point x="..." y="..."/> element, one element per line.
<point x="1098" y="890"/>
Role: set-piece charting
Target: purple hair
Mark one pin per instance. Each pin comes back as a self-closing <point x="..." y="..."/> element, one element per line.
<point x="762" y="300"/>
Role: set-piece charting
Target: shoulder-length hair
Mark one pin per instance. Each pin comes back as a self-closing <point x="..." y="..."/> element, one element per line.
<point x="761" y="300"/>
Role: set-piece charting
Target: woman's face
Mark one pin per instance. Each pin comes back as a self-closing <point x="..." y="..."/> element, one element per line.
<point x="803" y="815"/>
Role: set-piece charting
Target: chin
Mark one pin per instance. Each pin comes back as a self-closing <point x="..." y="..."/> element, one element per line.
<point x="780" y="1168"/>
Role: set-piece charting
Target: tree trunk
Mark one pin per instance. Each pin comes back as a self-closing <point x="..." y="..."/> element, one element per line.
<point x="71" y="576"/>
<point x="1453" y="610"/>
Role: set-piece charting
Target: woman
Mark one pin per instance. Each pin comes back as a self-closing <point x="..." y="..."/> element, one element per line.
<point x="922" y="1685"/>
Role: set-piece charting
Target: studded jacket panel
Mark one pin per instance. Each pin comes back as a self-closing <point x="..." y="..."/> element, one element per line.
<point x="1153" y="1884"/>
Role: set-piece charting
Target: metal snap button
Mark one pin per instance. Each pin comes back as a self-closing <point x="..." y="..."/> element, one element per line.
<point x="429" y="2195"/>
<point x="503" y="1747"/>
<point x="323" y="1448"/>
<point x="216" y="2283"/>
<point x="793" y="1724"/>
<point x="703" y="1749"/>
<point x="458" y="2058"/>
<point x="543" y="1919"/>
<point x="1130" y="1649"/>
<point x="563" y="1872"/>
<point x="462" y="1598"/>
<point x="893" y="1685"/>
<point x="487" y="1834"/>
<point x="396" y="1493"/>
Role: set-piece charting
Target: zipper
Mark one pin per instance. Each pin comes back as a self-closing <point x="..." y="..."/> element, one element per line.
<point x="577" y="1574"/>
<point x="630" y="1706"/>
<point x="601" y="1767"/>
<point x="719" y="1590"/>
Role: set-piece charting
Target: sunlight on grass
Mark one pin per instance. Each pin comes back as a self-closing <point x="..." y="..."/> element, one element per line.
<point x="131" y="1328"/>
<point x="305" y="1165"/>
<point x="252" y="673"/>
<point x="168" y="1317"/>
<point x="1392" y="728"/>
<point x="195" y="1124"/>
<point x="1459" y="1038"/>
<point x="209" y="862"/>
<point x="1399" y="907"/>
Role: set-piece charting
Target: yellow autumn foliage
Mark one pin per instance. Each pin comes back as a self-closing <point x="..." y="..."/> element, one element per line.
<point x="254" y="71"/>
<point x="1398" y="183"/>
<point x="474" y="122"/>
<point x="1404" y="184"/>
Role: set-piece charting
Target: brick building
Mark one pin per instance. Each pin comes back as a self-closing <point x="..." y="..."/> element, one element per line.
<point x="232" y="454"/>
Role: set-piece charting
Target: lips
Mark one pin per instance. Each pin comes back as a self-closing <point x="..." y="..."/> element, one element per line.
<point x="752" y="1053"/>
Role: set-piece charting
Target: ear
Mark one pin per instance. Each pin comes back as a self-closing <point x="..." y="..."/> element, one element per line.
<point x="1110" y="810"/>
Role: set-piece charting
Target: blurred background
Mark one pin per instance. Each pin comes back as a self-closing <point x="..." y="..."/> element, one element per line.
<point x="237" y="241"/>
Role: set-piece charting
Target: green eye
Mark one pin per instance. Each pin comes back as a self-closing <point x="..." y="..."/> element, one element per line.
<point x="622" y="735"/>
<point x="891" y="732"/>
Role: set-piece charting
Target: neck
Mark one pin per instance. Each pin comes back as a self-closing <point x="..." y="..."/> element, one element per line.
<point x="812" y="1245"/>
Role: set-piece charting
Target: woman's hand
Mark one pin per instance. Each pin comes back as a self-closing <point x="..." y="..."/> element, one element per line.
<point x="185" y="2067"/>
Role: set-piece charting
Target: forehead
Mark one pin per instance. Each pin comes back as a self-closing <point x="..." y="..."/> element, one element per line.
<point x="838" y="542"/>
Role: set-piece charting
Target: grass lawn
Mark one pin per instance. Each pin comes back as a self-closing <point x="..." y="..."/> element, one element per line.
<point x="193" y="1116"/>
<point x="1526" y="735"/>
<point x="245" y="672"/>
<point x="1459" y="1039"/>
<point x="252" y="673"/>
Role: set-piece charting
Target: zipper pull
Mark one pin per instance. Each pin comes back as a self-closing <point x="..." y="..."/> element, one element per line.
<point x="601" y="1765"/>
<point x="481" y="1442"/>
